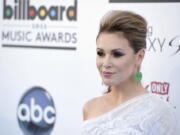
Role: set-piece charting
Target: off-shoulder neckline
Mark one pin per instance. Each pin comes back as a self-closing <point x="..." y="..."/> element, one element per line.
<point x="117" y="108"/>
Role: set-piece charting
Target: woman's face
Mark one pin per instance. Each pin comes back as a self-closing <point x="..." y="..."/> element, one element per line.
<point x="116" y="60"/>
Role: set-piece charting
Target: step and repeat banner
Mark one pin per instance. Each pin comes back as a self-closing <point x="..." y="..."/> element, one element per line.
<point x="48" y="53"/>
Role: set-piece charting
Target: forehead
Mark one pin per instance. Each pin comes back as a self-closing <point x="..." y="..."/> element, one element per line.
<point x="110" y="41"/>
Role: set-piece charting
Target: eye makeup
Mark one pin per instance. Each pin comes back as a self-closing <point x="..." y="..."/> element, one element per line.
<point x="115" y="53"/>
<point x="100" y="53"/>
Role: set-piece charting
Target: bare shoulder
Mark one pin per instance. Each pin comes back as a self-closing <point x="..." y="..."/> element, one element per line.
<point x="92" y="107"/>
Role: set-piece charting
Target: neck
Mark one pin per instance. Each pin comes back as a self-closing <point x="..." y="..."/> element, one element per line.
<point x="126" y="91"/>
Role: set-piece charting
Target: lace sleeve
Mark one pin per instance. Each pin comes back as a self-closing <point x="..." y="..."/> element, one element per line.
<point x="163" y="124"/>
<point x="166" y="125"/>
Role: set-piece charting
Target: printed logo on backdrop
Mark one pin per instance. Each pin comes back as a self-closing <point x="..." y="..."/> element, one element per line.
<point x="40" y="24"/>
<point x="36" y="112"/>
<point x="141" y="1"/>
<point x="161" y="89"/>
<point x="159" y="44"/>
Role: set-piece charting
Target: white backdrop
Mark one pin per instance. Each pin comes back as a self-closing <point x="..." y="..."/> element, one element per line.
<point x="70" y="76"/>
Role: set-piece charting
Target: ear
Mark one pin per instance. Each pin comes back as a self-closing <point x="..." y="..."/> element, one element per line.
<point x="139" y="57"/>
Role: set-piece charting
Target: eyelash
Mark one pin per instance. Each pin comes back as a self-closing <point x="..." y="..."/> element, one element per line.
<point x="118" y="54"/>
<point x="100" y="53"/>
<point x="115" y="54"/>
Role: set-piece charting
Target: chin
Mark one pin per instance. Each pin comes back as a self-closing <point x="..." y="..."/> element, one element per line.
<point x="108" y="83"/>
<point x="112" y="83"/>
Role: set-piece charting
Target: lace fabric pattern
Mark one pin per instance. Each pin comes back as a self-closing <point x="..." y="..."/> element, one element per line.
<point x="143" y="115"/>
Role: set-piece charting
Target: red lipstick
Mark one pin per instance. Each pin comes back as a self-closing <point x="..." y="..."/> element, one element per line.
<point x="107" y="74"/>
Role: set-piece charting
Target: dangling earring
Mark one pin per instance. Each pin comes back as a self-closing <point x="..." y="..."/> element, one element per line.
<point x="138" y="76"/>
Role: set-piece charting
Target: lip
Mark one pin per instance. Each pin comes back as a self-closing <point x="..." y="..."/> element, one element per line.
<point x="107" y="74"/>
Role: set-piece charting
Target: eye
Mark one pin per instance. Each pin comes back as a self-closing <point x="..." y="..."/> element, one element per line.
<point x="99" y="53"/>
<point x="118" y="54"/>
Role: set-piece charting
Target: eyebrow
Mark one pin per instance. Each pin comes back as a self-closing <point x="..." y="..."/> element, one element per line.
<point x="111" y="50"/>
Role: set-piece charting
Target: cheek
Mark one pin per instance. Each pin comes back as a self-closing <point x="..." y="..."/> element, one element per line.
<point x="129" y="66"/>
<point x="98" y="63"/>
<point x="125" y="64"/>
<point x="120" y="62"/>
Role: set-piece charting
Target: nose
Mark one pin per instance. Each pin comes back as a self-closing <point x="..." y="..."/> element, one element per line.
<point x="107" y="62"/>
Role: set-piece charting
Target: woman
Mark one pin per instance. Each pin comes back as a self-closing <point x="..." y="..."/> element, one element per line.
<point x="127" y="108"/>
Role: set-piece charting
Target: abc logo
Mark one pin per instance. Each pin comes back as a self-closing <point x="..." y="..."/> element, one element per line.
<point x="36" y="112"/>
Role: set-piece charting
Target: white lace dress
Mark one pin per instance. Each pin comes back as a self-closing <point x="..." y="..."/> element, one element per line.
<point x="142" y="115"/>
